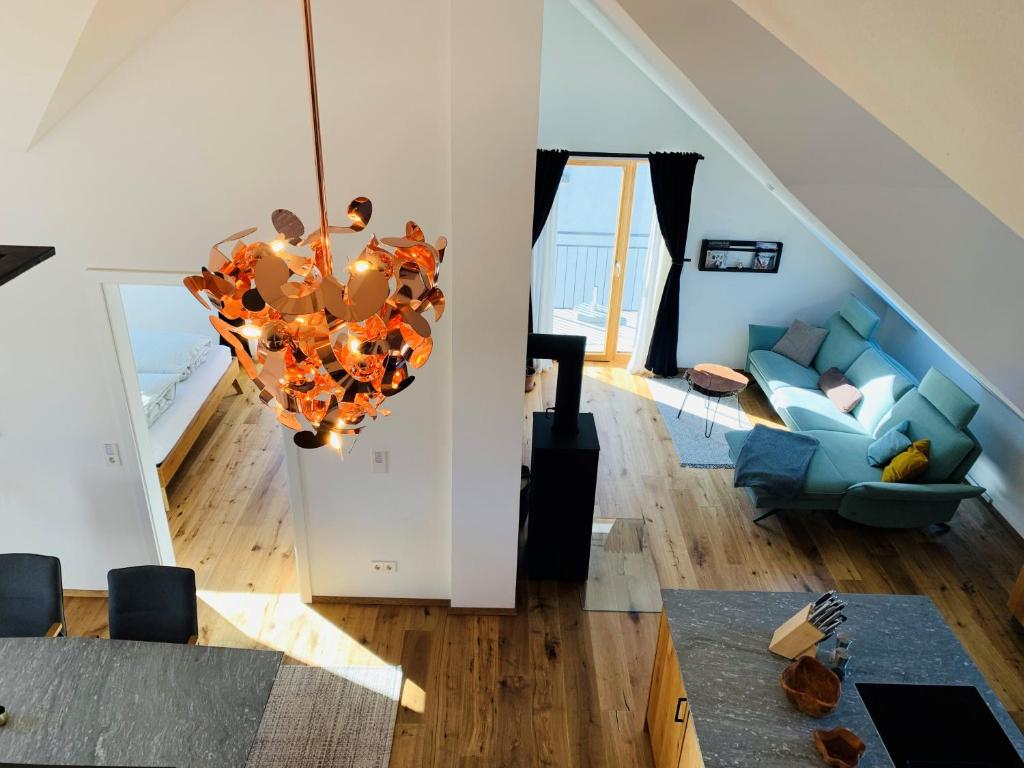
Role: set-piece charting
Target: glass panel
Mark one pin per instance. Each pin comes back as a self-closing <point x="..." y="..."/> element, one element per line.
<point x="641" y="220"/>
<point x="588" y="212"/>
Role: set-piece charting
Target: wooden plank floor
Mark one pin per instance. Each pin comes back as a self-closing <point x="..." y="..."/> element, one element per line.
<point x="554" y="685"/>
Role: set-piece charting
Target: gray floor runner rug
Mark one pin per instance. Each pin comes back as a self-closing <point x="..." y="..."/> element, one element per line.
<point x="687" y="431"/>
<point x="319" y="717"/>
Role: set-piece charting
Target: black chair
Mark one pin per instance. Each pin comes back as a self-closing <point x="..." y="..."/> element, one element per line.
<point x="31" y="596"/>
<point x="154" y="603"/>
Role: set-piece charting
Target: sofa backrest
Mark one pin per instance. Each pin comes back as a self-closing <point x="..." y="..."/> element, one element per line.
<point x="881" y="385"/>
<point x="953" y="448"/>
<point x="860" y="317"/>
<point x="849" y="331"/>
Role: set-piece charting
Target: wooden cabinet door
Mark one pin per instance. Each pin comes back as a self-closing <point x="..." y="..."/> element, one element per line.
<point x="667" y="711"/>
<point x="690" y="757"/>
<point x="1016" y="598"/>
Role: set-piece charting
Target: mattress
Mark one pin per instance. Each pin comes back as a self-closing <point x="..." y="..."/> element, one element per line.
<point x="169" y="352"/>
<point x="157" y="394"/>
<point x="189" y="397"/>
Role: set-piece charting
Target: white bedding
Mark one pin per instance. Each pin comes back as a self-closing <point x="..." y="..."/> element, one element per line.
<point x="189" y="397"/>
<point x="157" y="393"/>
<point x="169" y="352"/>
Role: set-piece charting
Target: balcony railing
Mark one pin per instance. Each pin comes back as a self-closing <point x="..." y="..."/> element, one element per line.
<point x="583" y="269"/>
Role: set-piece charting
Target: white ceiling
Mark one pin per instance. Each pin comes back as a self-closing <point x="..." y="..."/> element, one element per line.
<point x="945" y="76"/>
<point x="53" y="53"/>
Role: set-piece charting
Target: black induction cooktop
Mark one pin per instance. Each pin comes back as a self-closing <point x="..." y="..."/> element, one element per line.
<point x="937" y="726"/>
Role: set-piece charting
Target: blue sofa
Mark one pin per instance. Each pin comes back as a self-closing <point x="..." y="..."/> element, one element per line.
<point x="840" y="477"/>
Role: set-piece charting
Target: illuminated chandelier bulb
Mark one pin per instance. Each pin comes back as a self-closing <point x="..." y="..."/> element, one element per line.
<point x="360" y="266"/>
<point x="250" y="331"/>
<point x="277" y="245"/>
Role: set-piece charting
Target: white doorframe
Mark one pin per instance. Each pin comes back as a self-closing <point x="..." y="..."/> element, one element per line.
<point x="141" y="454"/>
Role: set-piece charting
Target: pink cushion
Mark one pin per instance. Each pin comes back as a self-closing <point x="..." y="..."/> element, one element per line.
<point x="839" y="390"/>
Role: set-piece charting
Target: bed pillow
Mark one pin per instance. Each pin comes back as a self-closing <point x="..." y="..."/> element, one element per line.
<point x="894" y="441"/>
<point x="169" y="352"/>
<point x="839" y="390"/>
<point x="158" y="390"/>
<point x="909" y="465"/>
<point x="800" y="343"/>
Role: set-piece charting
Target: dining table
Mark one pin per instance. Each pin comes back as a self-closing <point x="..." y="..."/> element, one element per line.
<point x="96" y="702"/>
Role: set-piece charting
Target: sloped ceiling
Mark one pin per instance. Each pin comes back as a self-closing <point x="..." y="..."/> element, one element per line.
<point x="36" y="43"/>
<point x="53" y="53"/>
<point x="930" y="248"/>
<point x="945" y="76"/>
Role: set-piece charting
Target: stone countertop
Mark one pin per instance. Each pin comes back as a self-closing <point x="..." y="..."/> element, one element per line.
<point x="741" y="715"/>
<point x="76" y="701"/>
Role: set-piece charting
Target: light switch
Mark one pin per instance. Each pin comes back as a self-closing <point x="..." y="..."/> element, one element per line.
<point x="380" y="462"/>
<point x="112" y="453"/>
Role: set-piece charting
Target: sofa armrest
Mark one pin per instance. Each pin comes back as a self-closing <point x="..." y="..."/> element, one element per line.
<point x="764" y="336"/>
<point x="915" y="491"/>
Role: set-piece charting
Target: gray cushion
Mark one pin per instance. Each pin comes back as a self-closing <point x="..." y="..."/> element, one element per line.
<point x="951" y="401"/>
<point x="772" y="371"/>
<point x="806" y="409"/>
<point x="880" y="383"/>
<point x="949" y="445"/>
<point x="891" y="443"/>
<point x="800" y="343"/>
<point x="841" y="347"/>
<point x="839" y="390"/>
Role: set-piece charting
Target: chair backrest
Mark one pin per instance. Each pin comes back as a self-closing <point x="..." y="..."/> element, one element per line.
<point x="31" y="594"/>
<point x="154" y="603"/>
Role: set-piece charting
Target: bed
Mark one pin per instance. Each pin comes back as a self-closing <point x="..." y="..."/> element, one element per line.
<point x="182" y="379"/>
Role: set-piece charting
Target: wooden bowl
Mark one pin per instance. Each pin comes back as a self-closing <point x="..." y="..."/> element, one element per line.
<point x="839" y="747"/>
<point x="811" y="687"/>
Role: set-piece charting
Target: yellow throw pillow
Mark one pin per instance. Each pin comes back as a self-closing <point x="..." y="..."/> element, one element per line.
<point x="909" y="465"/>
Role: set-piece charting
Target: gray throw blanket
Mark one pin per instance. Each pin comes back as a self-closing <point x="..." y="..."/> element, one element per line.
<point x="774" y="461"/>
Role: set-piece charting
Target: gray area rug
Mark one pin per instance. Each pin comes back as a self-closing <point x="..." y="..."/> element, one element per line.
<point x="319" y="716"/>
<point x="687" y="431"/>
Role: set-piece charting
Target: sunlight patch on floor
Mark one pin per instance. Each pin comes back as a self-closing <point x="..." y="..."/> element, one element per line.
<point x="284" y="623"/>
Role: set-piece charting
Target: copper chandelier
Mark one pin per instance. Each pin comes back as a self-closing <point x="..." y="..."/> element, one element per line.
<point x="329" y="352"/>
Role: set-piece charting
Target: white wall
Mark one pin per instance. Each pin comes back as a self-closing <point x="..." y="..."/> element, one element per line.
<point x="188" y="141"/>
<point x="594" y="99"/>
<point x="494" y="142"/>
<point x="165" y="308"/>
<point x="1000" y="431"/>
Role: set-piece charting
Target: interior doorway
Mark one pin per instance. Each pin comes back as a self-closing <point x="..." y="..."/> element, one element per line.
<point x="213" y="459"/>
<point x="596" y="251"/>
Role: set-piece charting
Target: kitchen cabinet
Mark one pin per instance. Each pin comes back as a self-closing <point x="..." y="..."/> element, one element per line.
<point x="669" y="722"/>
<point x="1017" y="598"/>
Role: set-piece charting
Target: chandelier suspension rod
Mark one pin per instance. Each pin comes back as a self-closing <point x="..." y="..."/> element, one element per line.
<point x="324" y="261"/>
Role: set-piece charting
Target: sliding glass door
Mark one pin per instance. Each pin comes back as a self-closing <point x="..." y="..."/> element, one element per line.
<point x="604" y="214"/>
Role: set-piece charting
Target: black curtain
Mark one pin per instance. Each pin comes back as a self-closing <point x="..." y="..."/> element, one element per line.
<point x="550" y="164"/>
<point x="672" y="181"/>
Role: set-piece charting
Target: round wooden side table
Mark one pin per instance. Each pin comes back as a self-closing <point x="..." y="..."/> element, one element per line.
<point x="714" y="382"/>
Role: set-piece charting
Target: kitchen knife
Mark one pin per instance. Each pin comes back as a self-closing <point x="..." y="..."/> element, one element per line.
<point x="823" y="609"/>
<point x="826" y="615"/>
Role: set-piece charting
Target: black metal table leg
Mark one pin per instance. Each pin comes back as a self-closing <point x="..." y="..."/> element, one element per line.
<point x="709" y="420"/>
<point x="689" y="389"/>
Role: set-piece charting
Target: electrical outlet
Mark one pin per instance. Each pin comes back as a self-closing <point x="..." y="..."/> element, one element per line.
<point x="384" y="566"/>
<point x="112" y="453"/>
<point x="380" y="461"/>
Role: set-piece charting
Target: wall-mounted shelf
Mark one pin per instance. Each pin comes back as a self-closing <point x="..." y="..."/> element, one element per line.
<point x="16" y="259"/>
<point x="762" y="256"/>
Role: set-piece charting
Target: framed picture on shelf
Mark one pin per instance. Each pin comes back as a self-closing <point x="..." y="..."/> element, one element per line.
<point x="740" y="256"/>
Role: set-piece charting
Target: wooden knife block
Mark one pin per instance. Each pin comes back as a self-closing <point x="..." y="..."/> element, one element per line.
<point x="797" y="637"/>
